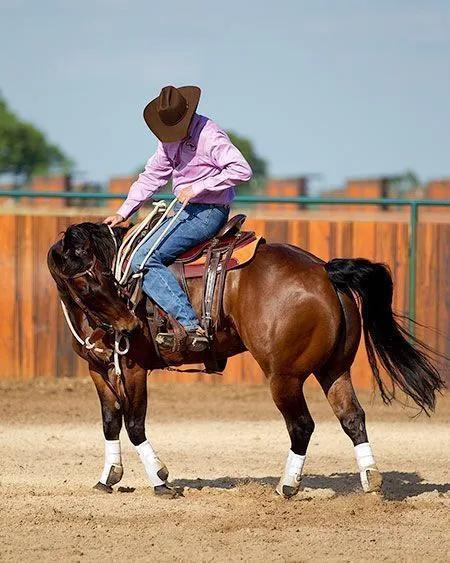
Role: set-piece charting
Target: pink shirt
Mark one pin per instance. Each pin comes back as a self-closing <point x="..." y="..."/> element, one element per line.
<point x="205" y="160"/>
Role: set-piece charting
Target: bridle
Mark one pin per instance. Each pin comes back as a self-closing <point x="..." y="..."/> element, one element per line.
<point x="101" y="327"/>
<point x="89" y="271"/>
<point x="120" y="280"/>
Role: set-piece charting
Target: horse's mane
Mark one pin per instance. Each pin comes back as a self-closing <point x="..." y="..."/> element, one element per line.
<point x="68" y="257"/>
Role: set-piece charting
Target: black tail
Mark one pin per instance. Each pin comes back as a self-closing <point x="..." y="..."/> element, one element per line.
<point x="403" y="356"/>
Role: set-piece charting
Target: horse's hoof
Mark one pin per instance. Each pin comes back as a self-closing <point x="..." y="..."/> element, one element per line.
<point x="371" y="480"/>
<point x="115" y="475"/>
<point x="168" y="492"/>
<point x="103" y="488"/>
<point x="286" y="491"/>
<point x="163" y="473"/>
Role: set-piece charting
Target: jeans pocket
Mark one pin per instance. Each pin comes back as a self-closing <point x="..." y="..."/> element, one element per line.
<point x="216" y="218"/>
<point x="205" y="223"/>
<point x="207" y="220"/>
<point x="223" y="216"/>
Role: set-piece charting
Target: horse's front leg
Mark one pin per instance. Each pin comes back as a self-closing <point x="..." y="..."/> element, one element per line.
<point x="112" y="424"/>
<point x="135" y="409"/>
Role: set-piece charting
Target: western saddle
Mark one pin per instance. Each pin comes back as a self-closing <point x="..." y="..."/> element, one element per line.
<point x="211" y="260"/>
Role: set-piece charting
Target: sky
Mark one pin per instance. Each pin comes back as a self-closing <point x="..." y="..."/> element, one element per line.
<point x="340" y="88"/>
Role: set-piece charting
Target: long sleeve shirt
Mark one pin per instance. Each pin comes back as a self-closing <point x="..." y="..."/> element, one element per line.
<point x="206" y="160"/>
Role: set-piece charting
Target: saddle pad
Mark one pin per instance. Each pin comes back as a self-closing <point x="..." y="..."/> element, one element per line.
<point x="241" y="255"/>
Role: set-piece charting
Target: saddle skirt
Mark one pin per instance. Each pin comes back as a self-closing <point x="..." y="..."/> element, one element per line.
<point x="194" y="261"/>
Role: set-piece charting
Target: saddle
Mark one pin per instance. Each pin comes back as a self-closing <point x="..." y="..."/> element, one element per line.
<point x="243" y="244"/>
<point x="211" y="260"/>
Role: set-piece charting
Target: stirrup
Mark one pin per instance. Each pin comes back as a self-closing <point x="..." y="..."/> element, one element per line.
<point x="197" y="340"/>
<point x="165" y="339"/>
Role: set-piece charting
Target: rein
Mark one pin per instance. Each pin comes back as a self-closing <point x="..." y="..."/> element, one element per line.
<point x="88" y="272"/>
<point x="121" y="255"/>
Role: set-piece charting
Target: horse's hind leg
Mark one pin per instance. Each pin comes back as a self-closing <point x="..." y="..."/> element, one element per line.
<point x="112" y="424"/>
<point x="341" y="396"/>
<point x="287" y="393"/>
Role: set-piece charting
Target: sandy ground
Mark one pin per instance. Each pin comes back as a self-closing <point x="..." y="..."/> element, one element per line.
<point x="226" y="446"/>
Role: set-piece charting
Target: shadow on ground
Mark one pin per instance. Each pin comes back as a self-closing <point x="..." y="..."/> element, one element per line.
<point x="397" y="485"/>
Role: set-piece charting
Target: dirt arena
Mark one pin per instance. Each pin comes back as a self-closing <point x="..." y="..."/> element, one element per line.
<point x="226" y="446"/>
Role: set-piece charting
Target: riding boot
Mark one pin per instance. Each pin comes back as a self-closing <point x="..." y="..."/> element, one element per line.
<point x="197" y="340"/>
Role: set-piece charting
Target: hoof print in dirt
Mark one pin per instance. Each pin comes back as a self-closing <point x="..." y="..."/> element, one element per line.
<point x="103" y="488"/>
<point x="126" y="489"/>
<point x="168" y="492"/>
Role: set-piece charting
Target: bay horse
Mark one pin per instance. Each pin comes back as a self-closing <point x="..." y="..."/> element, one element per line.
<point x="296" y="314"/>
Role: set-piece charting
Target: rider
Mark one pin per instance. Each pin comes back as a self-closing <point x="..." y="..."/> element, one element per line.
<point x="204" y="167"/>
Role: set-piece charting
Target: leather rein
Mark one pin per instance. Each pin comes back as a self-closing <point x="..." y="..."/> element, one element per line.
<point x="119" y="280"/>
<point x="101" y="327"/>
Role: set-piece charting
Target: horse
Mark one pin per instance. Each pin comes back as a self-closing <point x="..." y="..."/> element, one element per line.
<point x="296" y="314"/>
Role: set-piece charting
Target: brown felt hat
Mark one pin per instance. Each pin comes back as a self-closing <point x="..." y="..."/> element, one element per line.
<point x="170" y="114"/>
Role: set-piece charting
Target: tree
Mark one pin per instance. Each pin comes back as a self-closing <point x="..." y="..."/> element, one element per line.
<point x="403" y="183"/>
<point x="258" y="164"/>
<point x="24" y="150"/>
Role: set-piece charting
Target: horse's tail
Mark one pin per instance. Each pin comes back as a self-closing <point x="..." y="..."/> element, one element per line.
<point x="403" y="357"/>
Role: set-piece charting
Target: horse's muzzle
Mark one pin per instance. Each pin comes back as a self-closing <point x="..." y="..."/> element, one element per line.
<point x="128" y="325"/>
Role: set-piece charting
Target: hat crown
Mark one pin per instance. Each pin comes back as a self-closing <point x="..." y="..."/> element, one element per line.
<point x="170" y="114"/>
<point x="171" y="106"/>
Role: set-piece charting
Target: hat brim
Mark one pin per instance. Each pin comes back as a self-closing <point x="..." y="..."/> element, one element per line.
<point x="177" y="132"/>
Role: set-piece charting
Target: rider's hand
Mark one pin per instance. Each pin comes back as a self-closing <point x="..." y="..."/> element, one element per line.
<point x="186" y="194"/>
<point x="113" y="220"/>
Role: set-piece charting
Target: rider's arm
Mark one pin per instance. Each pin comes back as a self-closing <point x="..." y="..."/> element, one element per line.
<point x="232" y="168"/>
<point x="156" y="174"/>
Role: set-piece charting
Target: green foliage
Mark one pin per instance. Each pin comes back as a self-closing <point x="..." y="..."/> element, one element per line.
<point x="258" y="164"/>
<point x="403" y="183"/>
<point x="24" y="150"/>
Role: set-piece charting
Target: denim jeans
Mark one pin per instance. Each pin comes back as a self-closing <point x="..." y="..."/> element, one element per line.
<point x="197" y="222"/>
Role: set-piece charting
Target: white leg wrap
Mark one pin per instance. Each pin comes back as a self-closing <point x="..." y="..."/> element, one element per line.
<point x="368" y="471"/>
<point x="112" y="470"/>
<point x="364" y="456"/>
<point x="289" y="483"/>
<point x="154" y="467"/>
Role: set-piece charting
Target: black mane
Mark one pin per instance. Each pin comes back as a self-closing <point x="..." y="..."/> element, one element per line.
<point x="80" y="243"/>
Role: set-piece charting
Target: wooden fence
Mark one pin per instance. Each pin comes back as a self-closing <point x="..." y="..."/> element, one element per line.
<point x="35" y="342"/>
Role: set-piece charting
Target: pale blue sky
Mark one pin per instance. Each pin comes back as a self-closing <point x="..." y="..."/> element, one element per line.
<point x="342" y="88"/>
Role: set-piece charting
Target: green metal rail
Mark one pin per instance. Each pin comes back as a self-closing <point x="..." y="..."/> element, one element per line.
<point x="413" y="205"/>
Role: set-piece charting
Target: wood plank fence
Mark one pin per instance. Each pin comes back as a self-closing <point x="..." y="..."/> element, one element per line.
<point x="35" y="342"/>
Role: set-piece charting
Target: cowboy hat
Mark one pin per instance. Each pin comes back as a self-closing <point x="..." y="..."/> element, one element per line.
<point x="170" y="114"/>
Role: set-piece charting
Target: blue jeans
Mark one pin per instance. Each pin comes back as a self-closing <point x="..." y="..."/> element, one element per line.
<point x="197" y="222"/>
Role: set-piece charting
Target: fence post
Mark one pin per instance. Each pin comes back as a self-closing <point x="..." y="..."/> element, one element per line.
<point x="412" y="264"/>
